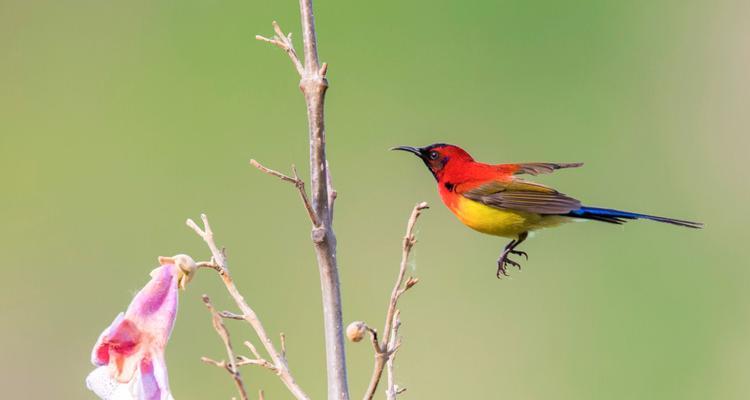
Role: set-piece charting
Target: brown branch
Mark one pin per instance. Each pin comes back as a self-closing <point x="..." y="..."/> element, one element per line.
<point x="231" y="365"/>
<point x="219" y="264"/>
<point x="386" y="348"/>
<point x="313" y="84"/>
<point x="294" y="180"/>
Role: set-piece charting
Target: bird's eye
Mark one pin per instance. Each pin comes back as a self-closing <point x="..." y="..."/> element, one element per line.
<point x="434" y="155"/>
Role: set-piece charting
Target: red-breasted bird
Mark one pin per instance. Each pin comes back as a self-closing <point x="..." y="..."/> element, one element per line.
<point x="491" y="199"/>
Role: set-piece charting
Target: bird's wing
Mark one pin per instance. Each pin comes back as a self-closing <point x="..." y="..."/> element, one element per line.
<point x="537" y="168"/>
<point x="523" y="196"/>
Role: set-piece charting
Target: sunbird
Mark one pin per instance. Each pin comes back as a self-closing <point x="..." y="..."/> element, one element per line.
<point x="490" y="198"/>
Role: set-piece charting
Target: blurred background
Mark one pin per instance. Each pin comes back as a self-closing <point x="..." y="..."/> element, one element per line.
<point x="119" y="120"/>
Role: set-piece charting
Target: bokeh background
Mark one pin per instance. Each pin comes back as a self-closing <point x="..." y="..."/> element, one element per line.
<point x="120" y="119"/>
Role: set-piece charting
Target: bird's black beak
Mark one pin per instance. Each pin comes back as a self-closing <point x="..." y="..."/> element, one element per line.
<point x="410" y="149"/>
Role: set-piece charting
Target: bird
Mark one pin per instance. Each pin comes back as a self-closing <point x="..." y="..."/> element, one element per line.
<point x="492" y="199"/>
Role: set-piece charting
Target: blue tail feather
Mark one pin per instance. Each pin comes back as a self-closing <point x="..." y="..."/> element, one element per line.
<point x="620" y="217"/>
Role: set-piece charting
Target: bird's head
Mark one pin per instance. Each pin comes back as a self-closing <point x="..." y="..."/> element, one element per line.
<point x="437" y="157"/>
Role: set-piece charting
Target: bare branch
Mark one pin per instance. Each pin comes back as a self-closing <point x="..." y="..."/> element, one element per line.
<point x="374" y="340"/>
<point x="252" y="349"/>
<point x="218" y="257"/>
<point x="261" y="362"/>
<point x="284" y="42"/>
<point x="313" y="84"/>
<point x="231" y="315"/>
<point x="231" y="365"/>
<point x="385" y="349"/>
<point x="220" y="364"/>
<point x="219" y="264"/>
<point x="296" y="181"/>
<point x="392" y="390"/>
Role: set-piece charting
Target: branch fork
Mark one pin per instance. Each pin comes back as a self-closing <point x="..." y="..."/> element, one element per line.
<point x="284" y="42"/>
<point x="314" y="85"/>
<point x="386" y="348"/>
<point x="278" y="363"/>
<point x="297" y="182"/>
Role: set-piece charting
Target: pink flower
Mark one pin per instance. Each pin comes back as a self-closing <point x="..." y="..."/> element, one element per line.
<point x="130" y="352"/>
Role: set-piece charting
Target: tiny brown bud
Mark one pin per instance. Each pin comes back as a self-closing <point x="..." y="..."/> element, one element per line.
<point x="411" y="282"/>
<point x="356" y="331"/>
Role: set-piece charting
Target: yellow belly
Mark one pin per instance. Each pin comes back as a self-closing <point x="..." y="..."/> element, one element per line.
<point x="507" y="223"/>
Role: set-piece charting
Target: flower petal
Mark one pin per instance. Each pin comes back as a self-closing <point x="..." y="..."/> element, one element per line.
<point x="154" y="308"/>
<point x="100" y="353"/>
<point x="153" y="380"/>
<point x="100" y="382"/>
<point x="130" y="352"/>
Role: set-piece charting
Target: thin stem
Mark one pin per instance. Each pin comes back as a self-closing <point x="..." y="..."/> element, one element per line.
<point x="231" y="365"/>
<point x="392" y="390"/>
<point x="294" y="180"/>
<point x="220" y="265"/>
<point x="385" y="349"/>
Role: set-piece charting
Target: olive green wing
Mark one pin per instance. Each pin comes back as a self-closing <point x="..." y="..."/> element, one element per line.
<point x="523" y="196"/>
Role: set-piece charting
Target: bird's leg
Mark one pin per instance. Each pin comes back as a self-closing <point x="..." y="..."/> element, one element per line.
<point x="504" y="261"/>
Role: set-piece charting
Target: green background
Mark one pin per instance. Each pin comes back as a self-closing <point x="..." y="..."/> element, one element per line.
<point x="119" y="120"/>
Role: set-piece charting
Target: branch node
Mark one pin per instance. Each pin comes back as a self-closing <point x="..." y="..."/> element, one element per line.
<point x="319" y="234"/>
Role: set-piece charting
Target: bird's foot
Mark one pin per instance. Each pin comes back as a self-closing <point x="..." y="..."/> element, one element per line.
<point x="504" y="261"/>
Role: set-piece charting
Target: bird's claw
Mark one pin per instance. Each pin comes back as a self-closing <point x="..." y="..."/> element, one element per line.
<point x="503" y="262"/>
<point x="501" y="270"/>
<point x="520" y="253"/>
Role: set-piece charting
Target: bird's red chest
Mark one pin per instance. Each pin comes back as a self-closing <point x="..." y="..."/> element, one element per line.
<point x="448" y="194"/>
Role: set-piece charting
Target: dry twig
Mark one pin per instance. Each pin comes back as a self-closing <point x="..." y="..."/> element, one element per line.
<point x="392" y="390"/>
<point x="389" y="344"/>
<point x="284" y="42"/>
<point x="231" y="366"/>
<point x="294" y="180"/>
<point x="218" y="263"/>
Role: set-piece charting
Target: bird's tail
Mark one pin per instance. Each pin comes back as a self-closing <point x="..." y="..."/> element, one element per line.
<point x="620" y="217"/>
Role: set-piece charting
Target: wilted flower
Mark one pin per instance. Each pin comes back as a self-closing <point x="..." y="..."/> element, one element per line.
<point x="130" y="352"/>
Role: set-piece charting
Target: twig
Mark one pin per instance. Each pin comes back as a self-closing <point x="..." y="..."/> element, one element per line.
<point x="220" y="265"/>
<point x="392" y="390"/>
<point x="296" y="181"/>
<point x="385" y="349"/>
<point x="261" y="362"/>
<point x="252" y="349"/>
<point x="284" y="42"/>
<point x="314" y="86"/>
<point x="231" y="365"/>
